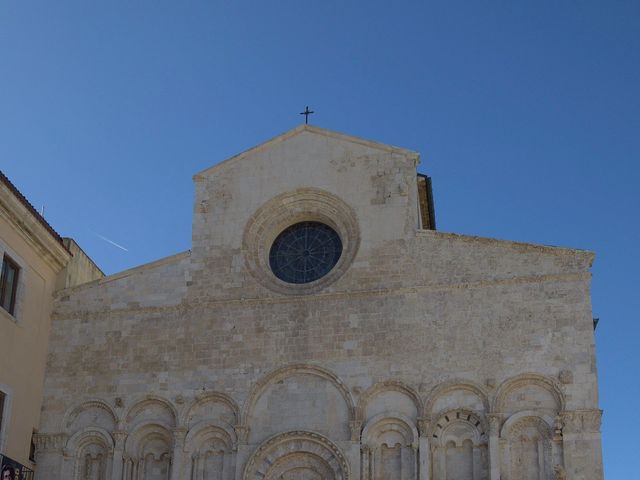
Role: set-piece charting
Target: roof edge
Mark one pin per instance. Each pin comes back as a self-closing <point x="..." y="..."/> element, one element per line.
<point x="312" y="129"/>
<point x="522" y="246"/>
<point x="126" y="273"/>
<point x="23" y="200"/>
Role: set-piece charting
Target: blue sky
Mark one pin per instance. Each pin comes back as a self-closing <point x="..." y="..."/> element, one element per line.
<point x="526" y="114"/>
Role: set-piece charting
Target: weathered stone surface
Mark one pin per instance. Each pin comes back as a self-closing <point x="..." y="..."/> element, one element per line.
<point x="424" y="355"/>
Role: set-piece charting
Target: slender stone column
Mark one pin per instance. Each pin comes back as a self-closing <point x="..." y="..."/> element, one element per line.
<point x="135" y="465"/>
<point x="495" y="422"/>
<point x="118" y="454"/>
<point x="228" y="464"/>
<point x="477" y="462"/>
<point x="177" y="457"/>
<point x="366" y="458"/>
<point x="243" y="451"/>
<point x="196" y="472"/>
<point x="126" y="469"/>
<point x="424" y="449"/>
<point x="354" y="454"/>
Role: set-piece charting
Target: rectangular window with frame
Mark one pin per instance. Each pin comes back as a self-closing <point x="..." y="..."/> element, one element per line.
<point x="9" y="284"/>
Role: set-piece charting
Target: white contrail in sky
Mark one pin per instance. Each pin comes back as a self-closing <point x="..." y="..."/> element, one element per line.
<point x="112" y="242"/>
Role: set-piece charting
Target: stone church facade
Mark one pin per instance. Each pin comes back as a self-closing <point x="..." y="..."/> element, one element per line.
<point x="321" y="329"/>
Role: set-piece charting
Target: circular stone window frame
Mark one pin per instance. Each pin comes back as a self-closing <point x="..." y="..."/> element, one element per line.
<point x="285" y="210"/>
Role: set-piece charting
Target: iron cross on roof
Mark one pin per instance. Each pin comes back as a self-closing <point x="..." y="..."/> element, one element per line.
<point x="306" y="114"/>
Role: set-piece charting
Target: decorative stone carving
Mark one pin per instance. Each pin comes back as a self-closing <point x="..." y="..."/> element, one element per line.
<point x="592" y="420"/>
<point x="49" y="442"/>
<point x="297" y="450"/>
<point x="242" y="432"/>
<point x="391" y="439"/>
<point x="576" y="421"/>
<point x="565" y="377"/>
<point x="558" y="425"/>
<point x="459" y="446"/>
<point x="303" y="204"/>
<point x="529" y="447"/>
<point x="495" y="422"/>
<point x="559" y="473"/>
<point x="424" y="426"/>
<point x="119" y="438"/>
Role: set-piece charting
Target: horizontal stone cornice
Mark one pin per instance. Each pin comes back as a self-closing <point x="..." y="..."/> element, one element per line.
<point x="194" y="304"/>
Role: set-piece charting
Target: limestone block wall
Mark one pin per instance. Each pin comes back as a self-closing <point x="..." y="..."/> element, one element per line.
<point x="421" y="355"/>
<point x="476" y="374"/>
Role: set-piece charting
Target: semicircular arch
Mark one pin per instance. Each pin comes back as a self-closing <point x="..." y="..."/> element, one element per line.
<point x="87" y="435"/>
<point x="142" y="433"/>
<point x="215" y="397"/>
<point x="74" y="411"/>
<point x="444" y="388"/>
<point x="377" y="425"/>
<point x="527" y="379"/>
<point x="298" y="369"/>
<point x="226" y="433"/>
<point x="150" y="400"/>
<point x="388" y="386"/>
<point x="544" y="422"/>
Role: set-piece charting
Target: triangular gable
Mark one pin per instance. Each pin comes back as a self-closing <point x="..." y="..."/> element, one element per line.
<point x="315" y="130"/>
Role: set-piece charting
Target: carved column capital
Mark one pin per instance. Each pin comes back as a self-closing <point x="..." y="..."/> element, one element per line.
<point x="578" y="421"/>
<point x="179" y="435"/>
<point x="495" y="422"/>
<point x="50" y="442"/>
<point x="558" y="426"/>
<point x="424" y="426"/>
<point x="119" y="437"/>
<point x="242" y="432"/>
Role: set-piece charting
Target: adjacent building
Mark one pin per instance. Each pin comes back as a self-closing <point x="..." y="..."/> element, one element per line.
<point x="36" y="262"/>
